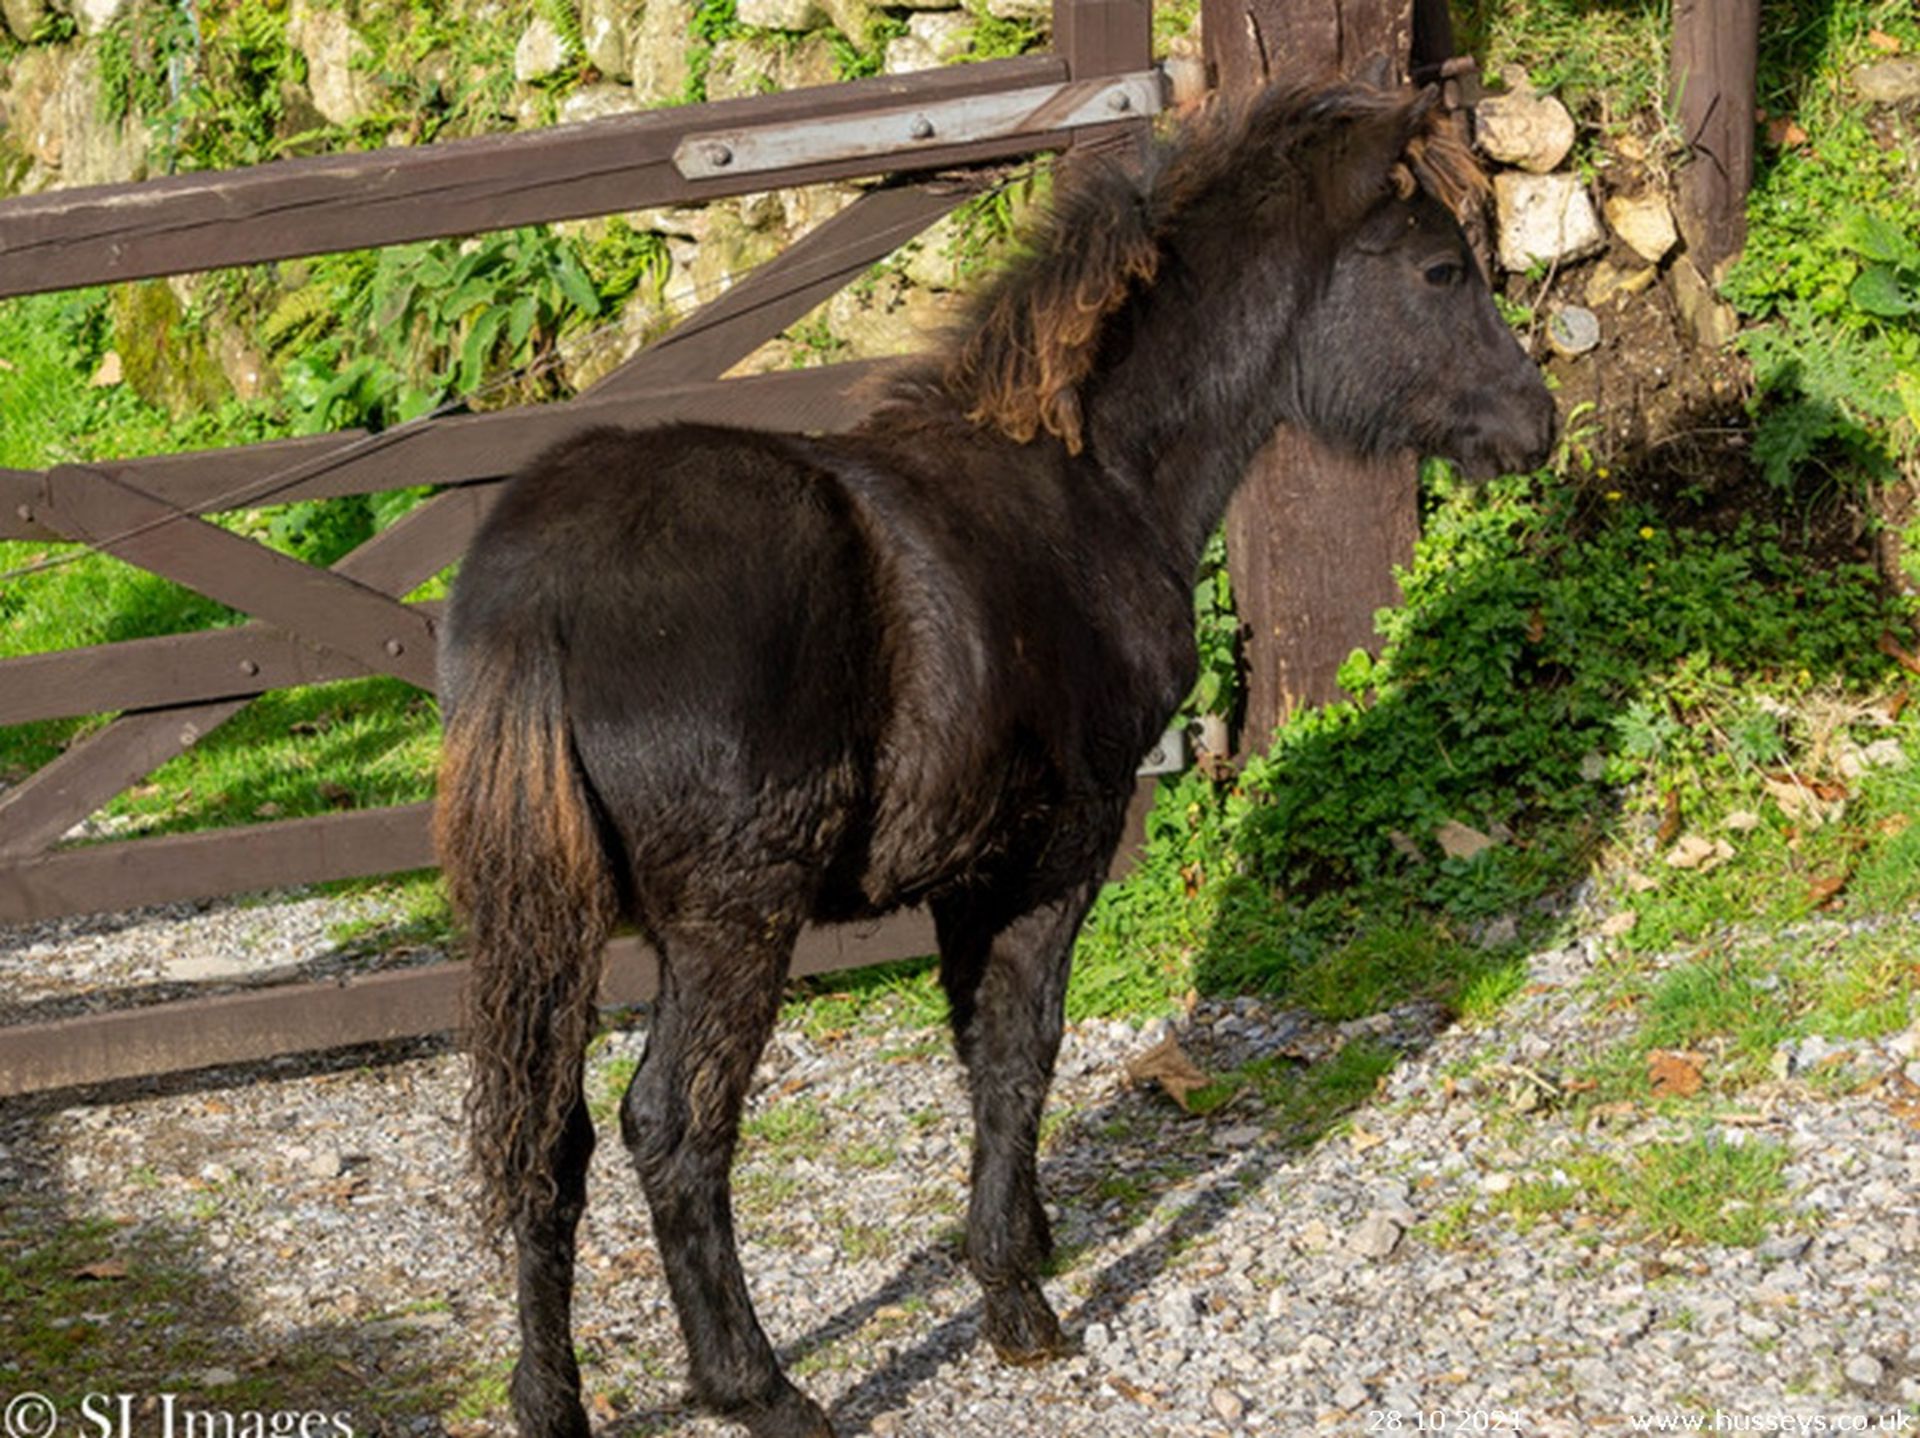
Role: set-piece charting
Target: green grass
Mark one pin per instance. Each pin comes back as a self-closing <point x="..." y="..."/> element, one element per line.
<point x="1696" y="1190"/>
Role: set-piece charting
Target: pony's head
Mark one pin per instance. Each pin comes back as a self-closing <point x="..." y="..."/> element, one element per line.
<point x="1304" y="247"/>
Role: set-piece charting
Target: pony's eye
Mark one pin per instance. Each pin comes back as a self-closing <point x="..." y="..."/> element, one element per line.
<point x="1446" y="274"/>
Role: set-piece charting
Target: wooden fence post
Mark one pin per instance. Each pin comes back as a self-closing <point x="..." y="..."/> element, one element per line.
<point x="1716" y="49"/>
<point x="1314" y="535"/>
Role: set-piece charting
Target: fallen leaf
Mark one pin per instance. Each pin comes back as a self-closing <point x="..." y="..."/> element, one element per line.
<point x="109" y="373"/>
<point x="1460" y="841"/>
<point x="1615" y="925"/>
<point x="1694" y="852"/>
<point x="106" y="1268"/>
<point x="1672" y="1073"/>
<point x="1167" y="1064"/>
<point x="1823" y="891"/>
<point x="1797" y="800"/>
<point x="1881" y="40"/>
<point x="1894" y="825"/>
<point x="1785" y="134"/>
<point x="1897" y="705"/>
<point x="1742" y="821"/>
<point x="1669" y="820"/>
<point x="1362" y="1140"/>
<point x="339" y="796"/>
<point x="1642" y="883"/>
<point x="1536" y="627"/>
<point x="1890" y="647"/>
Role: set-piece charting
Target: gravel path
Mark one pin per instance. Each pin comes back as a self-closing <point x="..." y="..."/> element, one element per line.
<point x="1222" y="1280"/>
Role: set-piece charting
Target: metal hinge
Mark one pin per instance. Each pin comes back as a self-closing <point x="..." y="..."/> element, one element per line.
<point x="1035" y="110"/>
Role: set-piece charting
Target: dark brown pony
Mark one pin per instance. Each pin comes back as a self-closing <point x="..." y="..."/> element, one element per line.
<point x="718" y="683"/>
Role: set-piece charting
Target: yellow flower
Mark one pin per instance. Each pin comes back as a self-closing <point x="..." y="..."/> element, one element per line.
<point x="1646" y="531"/>
<point x="1614" y="496"/>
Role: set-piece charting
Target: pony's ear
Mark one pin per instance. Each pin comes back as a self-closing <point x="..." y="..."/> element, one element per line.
<point x="1020" y="367"/>
<point x="1366" y="161"/>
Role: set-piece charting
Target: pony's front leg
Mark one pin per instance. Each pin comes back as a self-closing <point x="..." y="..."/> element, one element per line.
<point x="720" y="992"/>
<point x="1006" y="982"/>
<point x="546" y="1380"/>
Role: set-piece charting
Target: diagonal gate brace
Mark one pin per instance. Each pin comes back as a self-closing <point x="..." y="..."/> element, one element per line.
<point x="322" y="606"/>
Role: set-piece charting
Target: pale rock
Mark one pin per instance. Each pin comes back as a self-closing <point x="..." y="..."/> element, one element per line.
<point x="342" y="91"/>
<point x="542" y="51"/>
<point x="810" y="205"/>
<point x="760" y="210"/>
<point x="1314" y="1237"/>
<point x="934" y="38"/>
<point x="1503" y="930"/>
<point x="32" y="102"/>
<point x="244" y="366"/>
<point x="890" y="318"/>
<point x="681" y="222"/>
<point x="1227" y="1405"/>
<point x="23" y="17"/>
<point x="750" y="66"/>
<point x="1710" y="321"/>
<point x="1544" y="219"/>
<point x="590" y="355"/>
<point x="216" y="1378"/>
<point x="326" y="1165"/>
<point x="109" y="373"/>
<point x="1350" y="1395"/>
<point x="1885" y="82"/>
<point x="93" y="16"/>
<point x="780" y="14"/>
<point x="1572" y="330"/>
<point x="851" y="18"/>
<point x="597" y="102"/>
<point x="1618" y="925"/>
<point x="1376" y="1236"/>
<point x="1041" y="10"/>
<point x="1532" y="131"/>
<point x="606" y="30"/>
<point x="1645" y="222"/>
<point x="1864" y="1371"/>
<point x="657" y="52"/>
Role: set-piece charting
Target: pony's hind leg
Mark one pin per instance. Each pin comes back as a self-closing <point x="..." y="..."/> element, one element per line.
<point x="1006" y="983"/>
<point x="721" y="982"/>
<point x="545" y="1390"/>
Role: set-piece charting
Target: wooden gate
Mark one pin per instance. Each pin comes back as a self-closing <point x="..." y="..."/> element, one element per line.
<point x="309" y="625"/>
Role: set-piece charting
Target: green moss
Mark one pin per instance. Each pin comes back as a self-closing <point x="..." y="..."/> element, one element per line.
<point x="162" y="359"/>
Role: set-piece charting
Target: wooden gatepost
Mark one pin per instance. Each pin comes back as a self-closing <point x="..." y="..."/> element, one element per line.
<point x="308" y="625"/>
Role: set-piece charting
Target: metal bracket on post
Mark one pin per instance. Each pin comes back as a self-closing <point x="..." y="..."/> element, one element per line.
<point x="894" y="134"/>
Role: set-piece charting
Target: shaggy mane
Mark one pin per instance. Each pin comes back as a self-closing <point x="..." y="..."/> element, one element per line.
<point x="1030" y="337"/>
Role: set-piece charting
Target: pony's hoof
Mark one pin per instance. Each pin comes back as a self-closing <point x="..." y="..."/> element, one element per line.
<point x="1022" y="1329"/>
<point x="794" y="1415"/>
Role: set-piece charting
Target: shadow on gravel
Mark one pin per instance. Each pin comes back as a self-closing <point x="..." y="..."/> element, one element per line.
<point x="98" y="1308"/>
<point x="1109" y="1174"/>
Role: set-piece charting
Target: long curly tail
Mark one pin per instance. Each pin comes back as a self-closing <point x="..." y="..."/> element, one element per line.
<point x="530" y="876"/>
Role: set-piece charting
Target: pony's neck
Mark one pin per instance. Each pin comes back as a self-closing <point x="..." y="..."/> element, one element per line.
<point x="1179" y="413"/>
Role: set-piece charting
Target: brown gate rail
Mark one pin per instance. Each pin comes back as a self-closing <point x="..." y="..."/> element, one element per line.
<point x="310" y="625"/>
